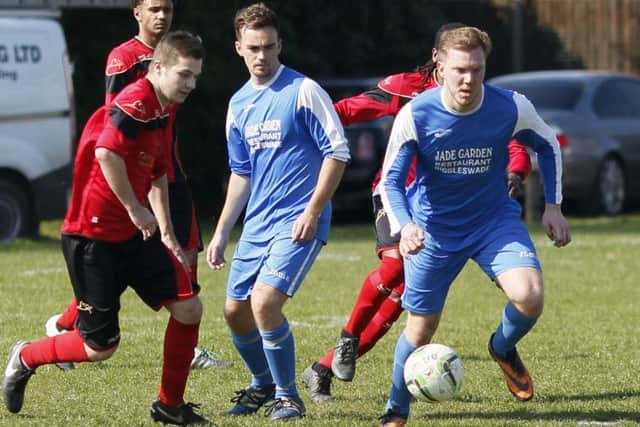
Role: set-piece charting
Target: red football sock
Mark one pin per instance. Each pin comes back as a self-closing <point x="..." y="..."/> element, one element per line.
<point x="327" y="358"/>
<point x="180" y="340"/>
<point x="375" y="289"/>
<point x="67" y="347"/>
<point x="69" y="316"/>
<point x="379" y="325"/>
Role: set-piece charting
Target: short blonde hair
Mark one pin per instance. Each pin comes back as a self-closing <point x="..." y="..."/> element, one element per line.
<point x="465" y="38"/>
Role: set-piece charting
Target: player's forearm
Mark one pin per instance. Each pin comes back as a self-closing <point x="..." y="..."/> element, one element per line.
<point x="550" y="165"/>
<point x="329" y="178"/>
<point x="159" y="201"/>
<point x="238" y="191"/>
<point x="114" y="170"/>
<point x="396" y="206"/>
<point x="392" y="185"/>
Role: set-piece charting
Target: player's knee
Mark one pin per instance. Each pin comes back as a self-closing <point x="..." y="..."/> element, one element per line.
<point x="530" y="300"/>
<point x="524" y="288"/>
<point x="267" y="312"/>
<point x="97" y="355"/>
<point x="235" y="312"/>
<point x="187" y="311"/>
<point x="420" y="329"/>
<point x="100" y="331"/>
<point x="533" y="305"/>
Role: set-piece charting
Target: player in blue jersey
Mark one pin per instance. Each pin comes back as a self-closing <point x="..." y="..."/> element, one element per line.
<point x="458" y="207"/>
<point x="287" y="154"/>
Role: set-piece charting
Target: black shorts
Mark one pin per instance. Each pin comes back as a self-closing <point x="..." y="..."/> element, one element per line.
<point x="384" y="240"/>
<point x="101" y="271"/>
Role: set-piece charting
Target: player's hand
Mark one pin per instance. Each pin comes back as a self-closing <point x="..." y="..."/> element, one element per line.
<point x="411" y="239"/>
<point x="170" y="241"/>
<point x="514" y="184"/>
<point x="555" y="225"/>
<point x="144" y="221"/>
<point x="215" y="252"/>
<point x="304" y="229"/>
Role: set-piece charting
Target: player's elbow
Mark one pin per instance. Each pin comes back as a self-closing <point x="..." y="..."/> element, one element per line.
<point x="104" y="155"/>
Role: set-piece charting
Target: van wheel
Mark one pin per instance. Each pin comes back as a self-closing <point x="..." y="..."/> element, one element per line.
<point x="15" y="217"/>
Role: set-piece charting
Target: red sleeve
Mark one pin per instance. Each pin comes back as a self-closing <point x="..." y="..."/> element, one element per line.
<point x="114" y="71"/>
<point x="113" y="139"/>
<point x="367" y="106"/>
<point x="386" y="99"/>
<point x="519" y="160"/>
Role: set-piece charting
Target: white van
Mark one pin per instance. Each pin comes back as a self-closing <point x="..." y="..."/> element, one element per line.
<point x="37" y="122"/>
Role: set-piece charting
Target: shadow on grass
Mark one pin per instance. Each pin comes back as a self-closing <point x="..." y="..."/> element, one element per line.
<point x="465" y="418"/>
<point x="524" y="415"/>
<point x="475" y="357"/>
<point x="615" y="395"/>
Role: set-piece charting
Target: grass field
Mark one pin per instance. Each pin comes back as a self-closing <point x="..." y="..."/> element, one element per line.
<point x="584" y="353"/>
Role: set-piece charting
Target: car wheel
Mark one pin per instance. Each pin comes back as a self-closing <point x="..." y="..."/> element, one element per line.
<point x="610" y="189"/>
<point x="14" y="211"/>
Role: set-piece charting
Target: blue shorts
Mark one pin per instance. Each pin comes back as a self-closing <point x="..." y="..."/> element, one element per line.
<point x="279" y="263"/>
<point x="429" y="273"/>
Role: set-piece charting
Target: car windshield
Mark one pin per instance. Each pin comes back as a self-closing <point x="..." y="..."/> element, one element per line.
<point x="547" y="93"/>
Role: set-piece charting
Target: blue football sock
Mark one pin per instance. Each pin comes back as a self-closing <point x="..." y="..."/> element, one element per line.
<point x="250" y="348"/>
<point x="514" y="326"/>
<point x="399" y="396"/>
<point x="279" y="349"/>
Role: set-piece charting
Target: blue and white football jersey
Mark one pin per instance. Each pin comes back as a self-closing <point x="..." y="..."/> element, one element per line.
<point x="461" y="184"/>
<point x="278" y="134"/>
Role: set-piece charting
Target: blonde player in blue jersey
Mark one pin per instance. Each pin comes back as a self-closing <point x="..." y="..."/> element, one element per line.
<point x="287" y="154"/>
<point x="458" y="207"/>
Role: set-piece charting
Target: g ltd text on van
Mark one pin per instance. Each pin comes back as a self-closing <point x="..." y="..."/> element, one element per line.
<point x="37" y="123"/>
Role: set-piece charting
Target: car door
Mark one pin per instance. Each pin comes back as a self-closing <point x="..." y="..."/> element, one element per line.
<point x="617" y="104"/>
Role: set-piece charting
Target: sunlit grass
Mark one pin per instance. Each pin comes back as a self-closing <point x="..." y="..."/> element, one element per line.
<point x="584" y="353"/>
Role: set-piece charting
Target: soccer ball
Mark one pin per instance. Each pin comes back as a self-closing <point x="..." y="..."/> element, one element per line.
<point x="434" y="373"/>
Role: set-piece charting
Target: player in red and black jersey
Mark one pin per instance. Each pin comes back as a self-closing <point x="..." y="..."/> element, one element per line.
<point x="378" y="305"/>
<point x="130" y="60"/>
<point x="111" y="240"/>
<point x="127" y="63"/>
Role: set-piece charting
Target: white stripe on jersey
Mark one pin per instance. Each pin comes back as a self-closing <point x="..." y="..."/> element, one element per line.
<point x="393" y="194"/>
<point x="528" y="118"/>
<point x="314" y="98"/>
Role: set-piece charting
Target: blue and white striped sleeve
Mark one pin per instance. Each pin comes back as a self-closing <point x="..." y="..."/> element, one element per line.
<point x="401" y="150"/>
<point x="535" y="133"/>
<point x="239" y="161"/>
<point x="322" y="121"/>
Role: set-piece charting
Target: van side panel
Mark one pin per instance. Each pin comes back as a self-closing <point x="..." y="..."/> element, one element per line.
<point x="36" y="123"/>
<point x="31" y="67"/>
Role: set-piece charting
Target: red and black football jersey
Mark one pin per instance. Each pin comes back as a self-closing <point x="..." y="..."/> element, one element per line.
<point x="137" y="129"/>
<point x="126" y="63"/>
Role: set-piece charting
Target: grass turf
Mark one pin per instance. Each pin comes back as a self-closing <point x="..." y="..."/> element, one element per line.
<point x="583" y="354"/>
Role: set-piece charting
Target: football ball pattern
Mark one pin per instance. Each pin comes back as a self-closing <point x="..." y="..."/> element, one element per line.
<point x="434" y="373"/>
